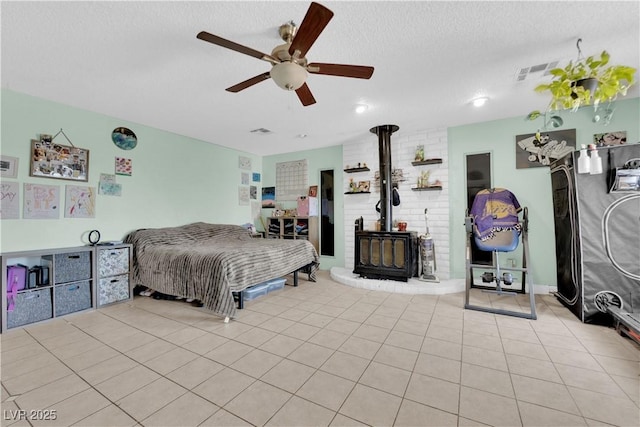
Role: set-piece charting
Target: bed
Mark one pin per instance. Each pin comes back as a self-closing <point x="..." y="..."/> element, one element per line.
<point x="211" y="262"/>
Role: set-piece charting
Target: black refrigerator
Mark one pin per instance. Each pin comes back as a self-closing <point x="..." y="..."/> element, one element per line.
<point x="597" y="233"/>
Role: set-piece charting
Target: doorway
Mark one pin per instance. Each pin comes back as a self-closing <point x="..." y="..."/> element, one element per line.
<point x="327" y="217"/>
<point x="478" y="178"/>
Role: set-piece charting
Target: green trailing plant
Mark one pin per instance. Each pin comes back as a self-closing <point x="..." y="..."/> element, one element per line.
<point x="570" y="86"/>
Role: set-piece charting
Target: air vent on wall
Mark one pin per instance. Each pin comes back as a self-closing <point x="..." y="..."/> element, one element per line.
<point x="262" y="131"/>
<point x="539" y="70"/>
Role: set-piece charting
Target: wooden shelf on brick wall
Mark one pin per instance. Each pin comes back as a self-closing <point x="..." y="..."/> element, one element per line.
<point x="352" y="170"/>
<point x="426" y="162"/>
<point x="430" y="188"/>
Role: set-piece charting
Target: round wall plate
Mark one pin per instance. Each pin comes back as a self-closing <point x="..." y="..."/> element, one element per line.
<point x="124" y="138"/>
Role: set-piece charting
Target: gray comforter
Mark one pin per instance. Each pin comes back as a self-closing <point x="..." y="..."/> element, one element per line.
<point x="210" y="261"/>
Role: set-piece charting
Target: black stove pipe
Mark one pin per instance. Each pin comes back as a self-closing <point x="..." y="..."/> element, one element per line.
<point x="384" y="153"/>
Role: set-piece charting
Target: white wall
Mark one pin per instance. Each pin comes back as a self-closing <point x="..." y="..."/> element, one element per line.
<point x="413" y="203"/>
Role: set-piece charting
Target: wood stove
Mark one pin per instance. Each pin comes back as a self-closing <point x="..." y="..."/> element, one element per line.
<point x="385" y="254"/>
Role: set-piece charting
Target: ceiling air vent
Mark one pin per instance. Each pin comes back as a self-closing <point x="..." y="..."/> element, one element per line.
<point x="539" y="70"/>
<point x="262" y="131"/>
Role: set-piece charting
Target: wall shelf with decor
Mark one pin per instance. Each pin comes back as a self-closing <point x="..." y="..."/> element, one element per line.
<point x="354" y="170"/>
<point x="294" y="227"/>
<point x="426" y="162"/>
<point x="431" y="188"/>
<point x="358" y="192"/>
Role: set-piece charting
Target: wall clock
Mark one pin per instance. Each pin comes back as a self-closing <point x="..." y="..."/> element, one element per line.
<point x="124" y="138"/>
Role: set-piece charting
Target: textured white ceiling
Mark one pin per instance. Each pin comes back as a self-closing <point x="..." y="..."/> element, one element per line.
<point x="141" y="62"/>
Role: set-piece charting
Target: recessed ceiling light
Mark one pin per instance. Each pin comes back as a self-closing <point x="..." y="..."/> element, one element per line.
<point x="480" y="101"/>
<point x="361" y="108"/>
<point x="301" y="135"/>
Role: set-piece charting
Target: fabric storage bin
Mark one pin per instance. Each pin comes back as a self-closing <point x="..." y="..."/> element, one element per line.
<point x="30" y="307"/>
<point x="72" y="267"/>
<point x="73" y="297"/>
<point x="112" y="262"/>
<point x="255" y="291"/>
<point x="112" y="289"/>
<point x="276" y="284"/>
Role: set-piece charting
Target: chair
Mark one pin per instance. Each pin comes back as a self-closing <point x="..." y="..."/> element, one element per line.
<point x="494" y="225"/>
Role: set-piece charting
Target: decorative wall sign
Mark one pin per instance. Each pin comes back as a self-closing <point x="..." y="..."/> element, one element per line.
<point x="243" y="195"/>
<point x="124" y="166"/>
<point x="108" y="185"/>
<point x="540" y="149"/>
<point x="610" y="138"/>
<point x="244" y="162"/>
<point x="245" y="178"/>
<point x="10" y="198"/>
<point x="80" y="202"/>
<point x="53" y="160"/>
<point x="9" y="166"/>
<point x="41" y="201"/>
<point x="124" y="138"/>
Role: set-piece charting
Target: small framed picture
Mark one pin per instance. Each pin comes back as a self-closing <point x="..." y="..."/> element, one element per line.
<point x="313" y="191"/>
<point x="244" y="162"/>
<point x="363" y="186"/>
<point x="124" y="166"/>
<point x="244" y="178"/>
<point x="9" y="166"/>
<point x="610" y="138"/>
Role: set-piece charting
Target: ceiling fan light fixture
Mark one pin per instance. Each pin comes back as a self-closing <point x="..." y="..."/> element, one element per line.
<point x="288" y="75"/>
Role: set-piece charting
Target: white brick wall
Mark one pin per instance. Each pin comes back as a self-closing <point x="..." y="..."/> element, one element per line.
<point x="413" y="203"/>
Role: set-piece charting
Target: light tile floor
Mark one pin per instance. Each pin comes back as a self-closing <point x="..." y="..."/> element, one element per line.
<point x="320" y="354"/>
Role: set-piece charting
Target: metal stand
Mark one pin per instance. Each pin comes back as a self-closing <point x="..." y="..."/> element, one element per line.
<point x="500" y="277"/>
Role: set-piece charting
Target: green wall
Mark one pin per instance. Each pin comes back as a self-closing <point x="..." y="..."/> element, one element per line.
<point x="176" y="180"/>
<point x="531" y="186"/>
<point x="319" y="159"/>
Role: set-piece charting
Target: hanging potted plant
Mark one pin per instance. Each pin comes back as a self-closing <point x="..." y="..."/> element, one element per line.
<point x="587" y="81"/>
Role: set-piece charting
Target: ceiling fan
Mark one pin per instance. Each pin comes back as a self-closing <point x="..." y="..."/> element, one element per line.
<point x="289" y="63"/>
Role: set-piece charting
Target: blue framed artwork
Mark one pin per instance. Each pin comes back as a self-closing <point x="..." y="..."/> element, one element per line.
<point x="256" y="177"/>
<point x="269" y="197"/>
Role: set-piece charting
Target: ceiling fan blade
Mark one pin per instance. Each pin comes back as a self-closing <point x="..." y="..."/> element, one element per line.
<point x="208" y="37"/>
<point x="314" y="21"/>
<point x="248" y="83"/>
<point x="342" y="70"/>
<point x="305" y="95"/>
